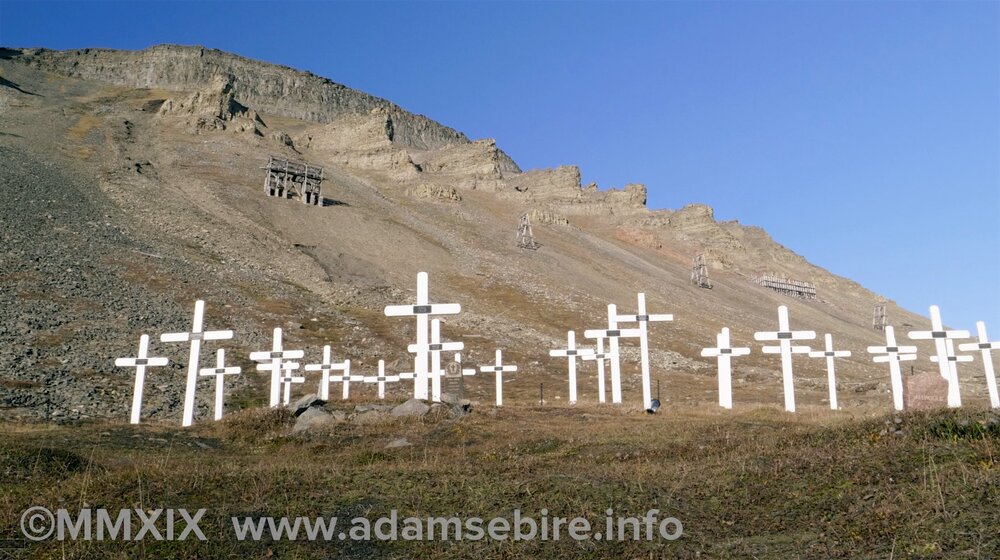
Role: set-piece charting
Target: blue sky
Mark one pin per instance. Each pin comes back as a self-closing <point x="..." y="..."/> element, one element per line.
<point x="863" y="135"/>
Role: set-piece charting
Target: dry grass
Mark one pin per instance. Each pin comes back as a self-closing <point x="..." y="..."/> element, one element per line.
<point x="754" y="484"/>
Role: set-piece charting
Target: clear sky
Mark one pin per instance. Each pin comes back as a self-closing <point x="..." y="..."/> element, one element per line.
<point x="863" y="135"/>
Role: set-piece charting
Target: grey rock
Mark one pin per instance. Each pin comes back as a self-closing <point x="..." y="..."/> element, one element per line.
<point x="303" y="404"/>
<point x="412" y="407"/>
<point x="310" y="418"/>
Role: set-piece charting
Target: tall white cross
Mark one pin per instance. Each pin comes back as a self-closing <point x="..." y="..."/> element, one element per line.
<point x="422" y="310"/>
<point x="194" y="337"/>
<point x="435" y="348"/>
<point x="571" y="353"/>
<point x="643" y="319"/>
<point x="948" y="370"/>
<point x="220" y="371"/>
<point x="784" y="335"/>
<point x="952" y="361"/>
<point x="381" y="379"/>
<point x="499" y="369"/>
<point x="600" y="357"/>
<point x="894" y="354"/>
<point x="985" y="346"/>
<point x="287" y="378"/>
<point x="724" y="352"/>
<point x="831" y="376"/>
<point x="140" y="363"/>
<point x="275" y="357"/>
<point x="613" y="333"/>
<point x="326" y="366"/>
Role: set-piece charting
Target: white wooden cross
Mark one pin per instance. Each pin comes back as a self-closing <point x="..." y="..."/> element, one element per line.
<point x="952" y="361"/>
<point x="894" y="354"/>
<point x="939" y="335"/>
<point x="140" y="363"/>
<point x="724" y="352"/>
<point x="985" y="346"/>
<point x="465" y="371"/>
<point x="220" y="371"/>
<point x="784" y="335"/>
<point x="613" y="333"/>
<point x="275" y="357"/>
<point x="643" y="319"/>
<point x="326" y="366"/>
<point x="422" y="310"/>
<point x="499" y="369"/>
<point x="381" y="379"/>
<point x="194" y="337"/>
<point x="600" y="356"/>
<point x="831" y="376"/>
<point x="571" y="352"/>
<point x="435" y="348"/>
<point x="287" y="378"/>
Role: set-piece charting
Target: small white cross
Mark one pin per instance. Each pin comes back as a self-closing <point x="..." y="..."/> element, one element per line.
<point x="643" y="319"/>
<point x="894" y="354"/>
<point x="422" y="310"/>
<point x="220" y="371"/>
<point x="948" y="369"/>
<point x="326" y="366"/>
<point x="499" y="369"/>
<point x="724" y="352"/>
<point x="985" y="346"/>
<point x="613" y="333"/>
<point x="382" y="379"/>
<point x="571" y="353"/>
<point x="435" y="348"/>
<point x="275" y="357"/>
<point x="831" y="376"/>
<point x="140" y="363"/>
<point x="785" y="336"/>
<point x="195" y="336"/>
<point x="287" y="378"/>
<point x="600" y="357"/>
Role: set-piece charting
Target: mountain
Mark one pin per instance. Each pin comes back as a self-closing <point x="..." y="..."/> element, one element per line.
<point x="133" y="185"/>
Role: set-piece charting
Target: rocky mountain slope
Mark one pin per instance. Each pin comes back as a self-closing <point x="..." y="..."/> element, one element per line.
<point x="133" y="186"/>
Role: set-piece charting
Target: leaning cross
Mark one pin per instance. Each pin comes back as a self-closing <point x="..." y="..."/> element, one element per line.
<point x="499" y="369"/>
<point x="643" y="319"/>
<point x="140" y="363"/>
<point x="894" y="354"/>
<point x="831" y="375"/>
<point x="784" y="335"/>
<point x="220" y="371"/>
<point x="948" y="370"/>
<point x="571" y="353"/>
<point x="613" y="333"/>
<point x="422" y="310"/>
<point x="986" y="347"/>
<point x="326" y="366"/>
<point x="724" y="352"/>
<point x="195" y="336"/>
<point x="275" y="356"/>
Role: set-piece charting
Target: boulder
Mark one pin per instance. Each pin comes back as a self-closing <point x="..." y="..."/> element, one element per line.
<point x="306" y="402"/>
<point x="412" y="407"/>
<point x="311" y="418"/>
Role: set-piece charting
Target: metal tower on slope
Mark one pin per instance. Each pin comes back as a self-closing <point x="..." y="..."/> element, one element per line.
<point x="525" y="239"/>
<point x="699" y="273"/>
<point x="879" y="318"/>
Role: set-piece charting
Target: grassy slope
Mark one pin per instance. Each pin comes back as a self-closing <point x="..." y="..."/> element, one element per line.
<point x="749" y="484"/>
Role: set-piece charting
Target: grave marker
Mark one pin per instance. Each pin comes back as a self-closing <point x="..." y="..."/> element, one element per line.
<point x="952" y="360"/>
<point x="326" y="366"/>
<point x="894" y="354"/>
<point x="986" y="347"/>
<point x="724" y="354"/>
<point x="422" y="310"/>
<point x="831" y="375"/>
<point x="571" y="353"/>
<point x="499" y="369"/>
<point x="435" y="348"/>
<point x="140" y="363"/>
<point x="275" y="356"/>
<point x="784" y="335"/>
<point x="287" y="378"/>
<point x="613" y="333"/>
<point x="644" y="319"/>
<point x="195" y="337"/>
<point x="381" y="379"/>
<point x="939" y="335"/>
<point x="600" y="357"/>
<point x="220" y="371"/>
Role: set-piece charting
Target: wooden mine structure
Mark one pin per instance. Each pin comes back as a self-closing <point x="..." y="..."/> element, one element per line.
<point x="879" y="317"/>
<point x="699" y="273"/>
<point x="525" y="239"/>
<point x="786" y="286"/>
<point x="286" y="178"/>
